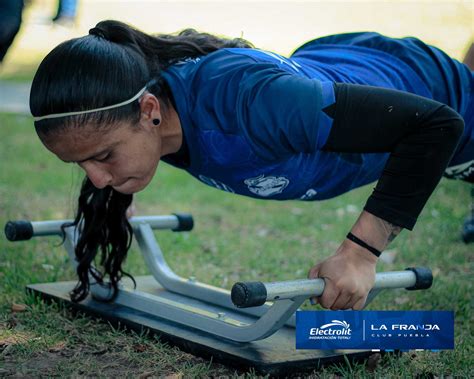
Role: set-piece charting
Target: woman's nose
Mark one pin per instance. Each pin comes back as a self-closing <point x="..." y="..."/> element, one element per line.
<point x="99" y="177"/>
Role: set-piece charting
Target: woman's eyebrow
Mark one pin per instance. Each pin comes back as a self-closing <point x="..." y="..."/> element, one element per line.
<point x="93" y="156"/>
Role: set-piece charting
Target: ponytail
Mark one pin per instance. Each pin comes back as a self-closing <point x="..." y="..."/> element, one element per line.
<point x="101" y="218"/>
<point x="163" y="50"/>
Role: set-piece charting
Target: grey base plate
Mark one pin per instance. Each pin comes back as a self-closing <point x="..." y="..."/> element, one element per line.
<point x="275" y="355"/>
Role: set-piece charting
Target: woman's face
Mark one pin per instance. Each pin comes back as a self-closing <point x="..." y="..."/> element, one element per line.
<point x="124" y="157"/>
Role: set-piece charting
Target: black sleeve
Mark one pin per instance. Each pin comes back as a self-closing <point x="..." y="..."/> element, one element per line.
<point x="421" y="135"/>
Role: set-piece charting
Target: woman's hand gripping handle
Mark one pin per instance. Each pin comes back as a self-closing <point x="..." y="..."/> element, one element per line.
<point x="349" y="274"/>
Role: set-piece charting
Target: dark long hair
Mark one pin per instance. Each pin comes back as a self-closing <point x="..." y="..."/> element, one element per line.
<point x="106" y="67"/>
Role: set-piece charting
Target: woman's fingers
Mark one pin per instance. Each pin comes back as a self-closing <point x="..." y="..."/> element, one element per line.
<point x="131" y="210"/>
<point x="313" y="274"/>
<point x="359" y="304"/>
<point x="330" y="294"/>
<point x="349" y="299"/>
<point x="343" y="301"/>
<point x="314" y="271"/>
<point x="348" y="275"/>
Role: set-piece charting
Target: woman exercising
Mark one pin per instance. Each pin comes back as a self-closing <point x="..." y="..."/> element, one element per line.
<point x="341" y="112"/>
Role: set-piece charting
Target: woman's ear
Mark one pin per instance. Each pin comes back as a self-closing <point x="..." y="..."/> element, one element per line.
<point x="150" y="111"/>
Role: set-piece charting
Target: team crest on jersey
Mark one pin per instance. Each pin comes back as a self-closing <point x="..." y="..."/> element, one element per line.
<point x="266" y="186"/>
<point x="215" y="183"/>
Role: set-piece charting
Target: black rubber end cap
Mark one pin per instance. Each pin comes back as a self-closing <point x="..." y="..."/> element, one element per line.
<point x="424" y="278"/>
<point x="18" y="230"/>
<point x="249" y="294"/>
<point x="186" y="222"/>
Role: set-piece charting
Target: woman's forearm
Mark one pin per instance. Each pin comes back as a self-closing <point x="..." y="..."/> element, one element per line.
<point x="375" y="231"/>
<point x="420" y="134"/>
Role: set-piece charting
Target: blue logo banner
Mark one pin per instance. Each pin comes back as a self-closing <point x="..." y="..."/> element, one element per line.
<point x="384" y="330"/>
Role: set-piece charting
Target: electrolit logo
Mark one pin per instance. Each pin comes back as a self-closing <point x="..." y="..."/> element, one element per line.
<point x="336" y="329"/>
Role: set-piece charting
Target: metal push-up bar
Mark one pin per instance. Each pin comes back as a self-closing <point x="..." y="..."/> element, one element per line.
<point x="250" y="298"/>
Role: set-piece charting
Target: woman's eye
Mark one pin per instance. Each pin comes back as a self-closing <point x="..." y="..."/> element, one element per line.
<point x="103" y="158"/>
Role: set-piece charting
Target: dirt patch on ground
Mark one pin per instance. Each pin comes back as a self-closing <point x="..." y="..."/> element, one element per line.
<point x="44" y="364"/>
<point x="65" y="362"/>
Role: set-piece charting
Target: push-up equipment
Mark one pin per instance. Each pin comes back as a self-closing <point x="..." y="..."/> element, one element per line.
<point x="251" y="326"/>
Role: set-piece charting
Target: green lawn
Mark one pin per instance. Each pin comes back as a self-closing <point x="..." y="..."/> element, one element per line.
<point x="234" y="239"/>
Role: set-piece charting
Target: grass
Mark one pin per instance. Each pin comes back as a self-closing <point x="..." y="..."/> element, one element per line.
<point x="235" y="238"/>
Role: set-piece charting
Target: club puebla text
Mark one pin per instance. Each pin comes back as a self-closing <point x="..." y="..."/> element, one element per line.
<point x="403" y="330"/>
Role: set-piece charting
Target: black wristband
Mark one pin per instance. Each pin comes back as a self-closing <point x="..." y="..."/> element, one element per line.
<point x="359" y="242"/>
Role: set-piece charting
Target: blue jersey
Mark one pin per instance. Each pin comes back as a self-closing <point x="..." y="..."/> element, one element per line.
<point x="254" y="124"/>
